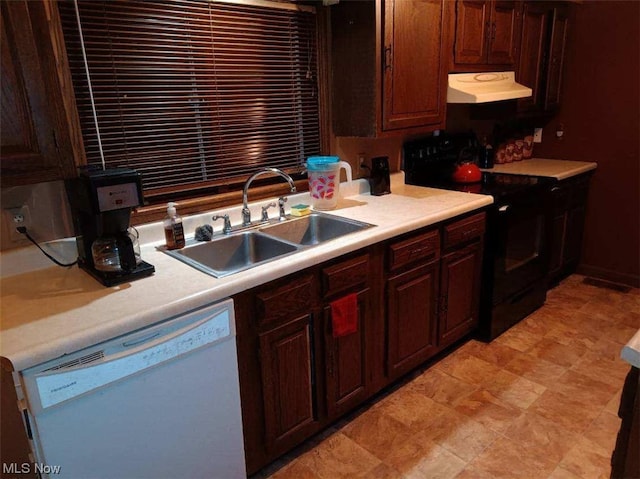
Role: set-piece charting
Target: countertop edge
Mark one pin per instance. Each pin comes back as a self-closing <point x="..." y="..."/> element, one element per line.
<point x="565" y="169"/>
<point x="631" y="351"/>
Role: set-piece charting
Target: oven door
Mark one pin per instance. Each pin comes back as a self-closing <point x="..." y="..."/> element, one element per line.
<point x="521" y="245"/>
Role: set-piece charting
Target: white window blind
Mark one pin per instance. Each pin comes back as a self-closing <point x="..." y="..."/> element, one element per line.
<point x="195" y="94"/>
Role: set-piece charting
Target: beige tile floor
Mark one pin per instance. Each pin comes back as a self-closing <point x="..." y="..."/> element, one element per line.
<point x="538" y="402"/>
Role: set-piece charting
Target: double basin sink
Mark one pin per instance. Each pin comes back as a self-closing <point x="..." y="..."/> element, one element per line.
<point x="245" y="249"/>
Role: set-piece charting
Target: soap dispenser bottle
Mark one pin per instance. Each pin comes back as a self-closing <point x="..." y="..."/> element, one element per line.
<point x="173" y="230"/>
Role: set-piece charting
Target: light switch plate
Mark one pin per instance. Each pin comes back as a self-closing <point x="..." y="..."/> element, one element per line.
<point x="537" y="135"/>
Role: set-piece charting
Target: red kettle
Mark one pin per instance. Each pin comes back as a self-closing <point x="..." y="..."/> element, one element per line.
<point x="466" y="171"/>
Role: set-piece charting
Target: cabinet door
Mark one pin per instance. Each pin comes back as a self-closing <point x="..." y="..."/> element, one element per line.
<point x="573" y="236"/>
<point x="459" y="293"/>
<point x="346" y="362"/>
<point x="557" y="45"/>
<point x="557" y="241"/>
<point x="532" y="54"/>
<point x="288" y="383"/>
<point x="414" y="67"/>
<point x="473" y="25"/>
<point x="411" y="310"/>
<point x="504" y="33"/>
<point x="560" y="203"/>
<point x="35" y="146"/>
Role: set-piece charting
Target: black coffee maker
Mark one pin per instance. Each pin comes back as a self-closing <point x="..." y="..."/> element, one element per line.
<point x="101" y="202"/>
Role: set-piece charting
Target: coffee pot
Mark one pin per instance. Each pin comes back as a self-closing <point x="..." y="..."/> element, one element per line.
<point x="114" y="253"/>
<point x="101" y="203"/>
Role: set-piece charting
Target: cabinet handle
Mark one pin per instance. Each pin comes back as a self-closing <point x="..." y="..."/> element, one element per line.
<point x="388" y="58"/>
<point x="329" y="332"/>
<point x="443" y="304"/>
<point x="493" y="32"/>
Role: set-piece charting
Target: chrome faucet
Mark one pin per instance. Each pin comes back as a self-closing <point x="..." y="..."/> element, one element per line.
<point x="246" y="213"/>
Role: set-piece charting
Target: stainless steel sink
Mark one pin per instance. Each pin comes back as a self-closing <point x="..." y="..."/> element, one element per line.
<point x="314" y="229"/>
<point x="245" y="249"/>
<point x="232" y="254"/>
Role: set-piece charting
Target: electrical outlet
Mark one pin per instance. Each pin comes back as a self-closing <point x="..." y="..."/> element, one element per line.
<point x="18" y="216"/>
<point x="537" y="135"/>
<point x="361" y="160"/>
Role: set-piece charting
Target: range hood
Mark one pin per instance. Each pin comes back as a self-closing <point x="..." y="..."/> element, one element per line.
<point x="485" y="87"/>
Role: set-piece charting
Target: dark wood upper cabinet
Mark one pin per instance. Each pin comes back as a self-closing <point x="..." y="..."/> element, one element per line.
<point x="36" y="139"/>
<point x="389" y="66"/>
<point x="532" y="53"/>
<point x="486" y="35"/>
<point x="414" y="67"/>
<point x="544" y="36"/>
<point x="557" y="45"/>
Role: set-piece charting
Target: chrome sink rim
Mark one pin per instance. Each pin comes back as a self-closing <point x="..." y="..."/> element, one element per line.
<point x="261" y="230"/>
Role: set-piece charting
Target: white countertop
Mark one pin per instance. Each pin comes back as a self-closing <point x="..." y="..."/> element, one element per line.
<point x="48" y="311"/>
<point x="631" y="351"/>
<point x="558" y="169"/>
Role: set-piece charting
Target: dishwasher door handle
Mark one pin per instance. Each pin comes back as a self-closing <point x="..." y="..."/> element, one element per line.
<point x="135" y="342"/>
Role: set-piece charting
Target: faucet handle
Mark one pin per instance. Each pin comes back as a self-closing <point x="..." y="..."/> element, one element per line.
<point x="265" y="214"/>
<point x="281" y="201"/>
<point x="226" y="229"/>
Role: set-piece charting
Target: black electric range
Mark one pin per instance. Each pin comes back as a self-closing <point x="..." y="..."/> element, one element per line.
<point x="516" y="253"/>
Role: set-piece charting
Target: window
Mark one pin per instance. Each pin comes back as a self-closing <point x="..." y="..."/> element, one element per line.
<point x="195" y="94"/>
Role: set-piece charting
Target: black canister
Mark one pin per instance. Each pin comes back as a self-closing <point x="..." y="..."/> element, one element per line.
<point x="379" y="180"/>
<point x="485" y="156"/>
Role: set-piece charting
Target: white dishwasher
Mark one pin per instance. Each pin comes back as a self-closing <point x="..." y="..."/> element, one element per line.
<point x="162" y="402"/>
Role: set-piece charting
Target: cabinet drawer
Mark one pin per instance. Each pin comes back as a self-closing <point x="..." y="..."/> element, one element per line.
<point x="344" y="275"/>
<point x="421" y="247"/>
<point x="279" y="304"/>
<point x="464" y="230"/>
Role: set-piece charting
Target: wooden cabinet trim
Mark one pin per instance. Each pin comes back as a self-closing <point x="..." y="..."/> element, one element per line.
<point x="467" y="293"/>
<point x="346" y="360"/>
<point x="425" y="246"/>
<point x="464" y="230"/>
<point x="277" y="305"/>
<point x="407" y="349"/>
<point x="345" y="275"/>
<point x="290" y="416"/>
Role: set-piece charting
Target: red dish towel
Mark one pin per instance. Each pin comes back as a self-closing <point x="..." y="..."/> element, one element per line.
<point x="344" y="315"/>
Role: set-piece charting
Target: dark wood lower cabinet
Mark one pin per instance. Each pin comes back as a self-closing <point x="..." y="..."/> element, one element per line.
<point x="411" y="316"/>
<point x="346" y="361"/>
<point x="459" y="293"/>
<point x="296" y="378"/>
<point x="569" y="202"/>
<point x="288" y="385"/>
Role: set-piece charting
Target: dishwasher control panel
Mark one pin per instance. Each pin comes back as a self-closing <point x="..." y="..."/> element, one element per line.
<point x="64" y="379"/>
